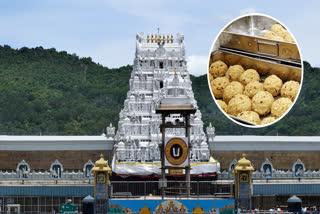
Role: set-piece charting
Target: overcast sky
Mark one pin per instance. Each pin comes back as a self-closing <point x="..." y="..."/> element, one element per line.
<point x="105" y="29"/>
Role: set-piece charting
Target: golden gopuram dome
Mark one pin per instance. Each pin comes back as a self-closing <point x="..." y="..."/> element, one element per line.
<point x="243" y="165"/>
<point x="101" y="165"/>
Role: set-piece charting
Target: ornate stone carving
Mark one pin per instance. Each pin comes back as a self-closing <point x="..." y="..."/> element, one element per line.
<point x="23" y="169"/>
<point x="267" y="169"/>
<point x="298" y="169"/>
<point x="56" y="169"/>
<point x="87" y="169"/>
<point x="232" y="165"/>
<point x="210" y="130"/>
<point x="110" y="131"/>
<point x="120" y="151"/>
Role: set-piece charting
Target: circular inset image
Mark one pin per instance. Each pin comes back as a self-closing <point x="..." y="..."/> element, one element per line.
<point x="255" y="70"/>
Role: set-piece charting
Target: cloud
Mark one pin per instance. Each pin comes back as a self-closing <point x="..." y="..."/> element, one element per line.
<point x="197" y="65"/>
<point x="248" y="10"/>
<point x="106" y="29"/>
<point x="156" y="14"/>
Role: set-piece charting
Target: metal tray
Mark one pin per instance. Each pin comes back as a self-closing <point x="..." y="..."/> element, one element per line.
<point x="242" y="120"/>
<point x="264" y="66"/>
<point x="247" y="33"/>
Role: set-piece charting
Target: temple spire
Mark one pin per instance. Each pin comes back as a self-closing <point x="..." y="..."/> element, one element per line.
<point x="154" y="80"/>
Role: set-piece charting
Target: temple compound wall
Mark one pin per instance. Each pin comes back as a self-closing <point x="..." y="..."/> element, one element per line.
<point x="40" y="152"/>
<point x="281" y="160"/>
<point x="75" y="151"/>
<point x="281" y="151"/>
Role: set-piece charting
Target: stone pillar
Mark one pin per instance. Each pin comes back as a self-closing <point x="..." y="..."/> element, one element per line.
<point x="188" y="186"/>
<point x="163" y="169"/>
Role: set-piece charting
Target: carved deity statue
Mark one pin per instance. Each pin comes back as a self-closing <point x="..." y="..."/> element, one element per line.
<point x="110" y="130"/>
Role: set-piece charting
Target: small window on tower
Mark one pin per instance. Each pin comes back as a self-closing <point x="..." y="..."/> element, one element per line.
<point x="161" y="84"/>
<point x="161" y="65"/>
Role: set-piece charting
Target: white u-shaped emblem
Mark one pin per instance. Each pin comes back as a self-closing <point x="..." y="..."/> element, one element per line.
<point x="176" y="153"/>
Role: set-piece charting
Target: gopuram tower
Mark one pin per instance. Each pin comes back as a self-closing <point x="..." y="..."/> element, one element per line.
<point x="159" y="67"/>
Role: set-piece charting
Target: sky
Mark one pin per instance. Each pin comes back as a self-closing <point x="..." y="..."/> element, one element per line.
<point x="105" y="30"/>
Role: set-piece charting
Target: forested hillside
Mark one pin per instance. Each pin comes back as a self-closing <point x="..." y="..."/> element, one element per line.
<point x="50" y="92"/>
<point x="46" y="92"/>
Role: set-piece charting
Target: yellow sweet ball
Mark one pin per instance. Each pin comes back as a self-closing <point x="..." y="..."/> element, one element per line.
<point x="218" y="85"/>
<point x="249" y="76"/>
<point x="231" y="90"/>
<point x="273" y="85"/>
<point x="288" y="38"/>
<point x="267" y="120"/>
<point x="250" y="116"/>
<point x="290" y="90"/>
<point x="280" y="106"/>
<point x="218" y="69"/>
<point x="253" y="88"/>
<point x="234" y="72"/>
<point x="279" y="30"/>
<point x="238" y="104"/>
<point x="262" y="102"/>
<point x="273" y="36"/>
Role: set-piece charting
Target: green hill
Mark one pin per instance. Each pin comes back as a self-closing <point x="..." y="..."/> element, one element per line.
<point x="46" y="92"/>
<point x="50" y="92"/>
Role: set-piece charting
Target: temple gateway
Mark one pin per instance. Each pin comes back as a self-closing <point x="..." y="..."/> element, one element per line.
<point x="159" y="73"/>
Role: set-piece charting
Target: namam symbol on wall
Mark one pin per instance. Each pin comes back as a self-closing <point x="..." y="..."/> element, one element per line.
<point x="176" y="152"/>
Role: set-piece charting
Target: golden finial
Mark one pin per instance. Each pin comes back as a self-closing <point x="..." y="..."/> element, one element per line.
<point x="164" y="38"/>
<point x="175" y="70"/>
<point x="171" y="38"/>
<point x="156" y="38"/>
<point x="101" y="155"/>
<point x="168" y="38"/>
<point x="148" y="39"/>
<point x="152" y="39"/>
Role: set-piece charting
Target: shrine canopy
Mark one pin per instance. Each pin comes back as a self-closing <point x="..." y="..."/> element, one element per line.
<point x="176" y="109"/>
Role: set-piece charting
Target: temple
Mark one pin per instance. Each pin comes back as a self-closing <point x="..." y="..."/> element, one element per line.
<point x="39" y="173"/>
<point x="159" y="74"/>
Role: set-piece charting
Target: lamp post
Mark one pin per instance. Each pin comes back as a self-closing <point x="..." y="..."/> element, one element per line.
<point x="101" y="172"/>
<point x="243" y="183"/>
